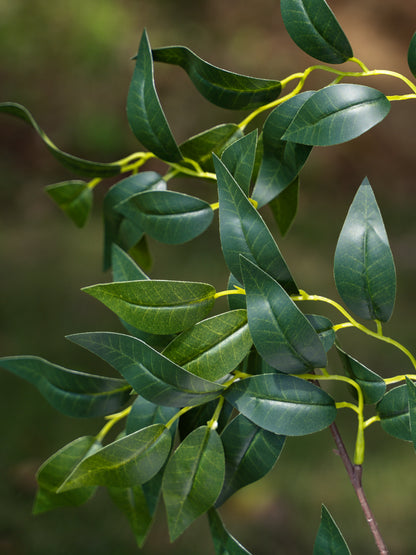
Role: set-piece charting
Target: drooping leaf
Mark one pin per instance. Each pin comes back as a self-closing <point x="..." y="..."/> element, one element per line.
<point x="144" y="112"/>
<point x="214" y="347"/>
<point x="193" y="479"/>
<point x="201" y="415"/>
<point x="151" y="374"/>
<point x="372" y="385"/>
<point x="314" y="28"/>
<point x="411" y="55"/>
<point x="54" y="472"/>
<point x="285" y="206"/>
<point x="239" y="159"/>
<point x="283" y="336"/>
<point x="243" y="232"/>
<point x="223" y="88"/>
<point x="411" y="395"/>
<point x="78" y="165"/>
<point x="74" y="198"/>
<point x="168" y="216"/>
<point x="156" y="306"/>
<point x="283" y="404"/>
<point x="224" y="542"/>
<point x="337" y="114"/>
<point x="282" y="160"/>
<point x="127" y="462"/>
<point x="363" y="267"/>
<point x="250" y="453"/>
<point x="324" y="329"/>
<point x="144" y="413"/>
<point x="73" y="393"/>
<point x="329" y="540"/>
<point x="393" y="411"/>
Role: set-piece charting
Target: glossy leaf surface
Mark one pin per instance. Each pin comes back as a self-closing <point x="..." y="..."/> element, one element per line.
<point x="329" y="539"/>
<point x="144" y="112"/>
<point x="411" y="395"/>
<point x="239" y="159"/>
<point x="224" y="542"/>
<point x="411" y="55"/>
<point x="393" y="410"/>
<point x="283" y="404"/>
<point x="68" y="391"/>
<point x="323" y="327"/>
<point x="285" y="206"/>
<point x="193" y="479"/>
<point x="314" y="28"/>
<point x="221" y="87"/>
<point x="337" y="114"/>
<point x="74" y="198"/>
<point x="363" y="267"/>
<point x="156" y="306"/>
<point x="243" y="232"/>
<point x="151" y="374"/>
<point x="281" y="333"/>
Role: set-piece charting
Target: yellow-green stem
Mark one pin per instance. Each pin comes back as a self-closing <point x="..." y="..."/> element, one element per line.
<point x="213" y="423"/>
<point x="112" y="420"/>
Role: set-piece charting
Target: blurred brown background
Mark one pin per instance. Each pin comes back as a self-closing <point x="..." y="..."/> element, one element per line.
<point x="69" y="63"/>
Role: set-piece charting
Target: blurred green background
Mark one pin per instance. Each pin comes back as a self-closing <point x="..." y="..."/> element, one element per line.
<point x="69" y="63"/>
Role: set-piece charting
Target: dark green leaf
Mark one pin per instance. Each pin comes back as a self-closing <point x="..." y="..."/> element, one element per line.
<point x="214" y="347"/>
<point x="221" y="87"/>
<point x="78" y="165"/>
<point x="372" y="385"/>
<point x="243" y="231"/>
<point x="235" y="302"/>
<point x="411" y="55"/>
<point x="144" y="112"/>
<point x="160" y="307"/>
<point x="250" y="453"/>
<point x="329" y="540"/>
<point x="239" y="159"/>
<point x="411" y="393"/>
<point x="127" y="462"/>
<point x="144" y="413"/>
<point x="151" y="374"/>
<point x="283" y="336"/>
<point x="364" y="268"/>
<point x="141" y="254"/>
<point x="224" y="542"/>
<point x="168" y="216"/>
<point x="336" y="114"/>
<point x="285" y="206"/>
<point x="283" y="404"/>
<point x="393" y="410"/>
<point x="201" y="415"/>
<point x="71" y="392"/>
<point x="323" y="327"/>
<point x="193" y="479"/>
<point x="314" y="28"/>
<point x="74" y="198"/>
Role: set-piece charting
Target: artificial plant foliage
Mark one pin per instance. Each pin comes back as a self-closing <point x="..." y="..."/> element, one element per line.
<point x="239" y="158"/>
<point x="224" y="542"/>
<point x="329" y="538"/>
<point x="393" y="411"/>
<point x="74" y="198"/>
<point x="411" y="55"/>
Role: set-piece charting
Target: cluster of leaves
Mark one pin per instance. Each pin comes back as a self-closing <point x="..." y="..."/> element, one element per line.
<point x="210" y="401"/>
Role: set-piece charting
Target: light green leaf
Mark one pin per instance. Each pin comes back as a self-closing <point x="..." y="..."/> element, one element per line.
<point x="193" y="479"/>
<point x="144" y="112"/>
<point x="77" y="165"/>
<point x="337" y="114"/>
<point x="363" y="267"/>
<point x="73" y="393"/>
<point x="156" y="306"/>
<point x="239" y="159"/>
<point x="221" y="87"/>
<point x="329" y="540"/>
<point x="285" y="206"/>
<point x="224" y="542"/>
<point x="214" y="347"/>
<point x="314" y="28"/>
<point x="283" y="336"/>
<point x="411" y="394"/>
<point x="283" y="404"/>
<point x="393" y="411"/>
<point x="74" y="198"/>
<point x="411" y="55"/>
<point x="127" y="462"/>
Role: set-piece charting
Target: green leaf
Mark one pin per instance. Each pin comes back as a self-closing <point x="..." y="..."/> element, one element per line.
<point x="329" y="540"/>
<point x="372" y="385"/>
<point x="144" y="112"/>
<point x="393" y="411"/>
<point x="324" y="329"/>
<point x="156" y="306"/>
<point x="72" y="393"/>
<point x="283" y="404"/>
<point x="236" y="302"/>
<point x="363" y="267"/>
<point x="54" y="472"/>
<point x="214" y="347"/>
<point x="221" y="87"/>
<point x="201" y="415"/>
<point x="143" y="413"/>
<point x="193" y="479"/>
<point x="337" y="114"/>
<point x="282" y="160"/>
<point x="239" y="159"/>
<point x="151" y="374"/>
<point x="74" y="198"/>
<point x="127" y="462"/>
<point x="78" y="165"/>
<point x="411" y="394"/>
<point x="314" y="28"/>
<point x="411" y="55"/>
<point x="170" y="217"/>
<point x="250" y="453"/>
<point x="224" y="542"/>
<point x="285" y="206"/>
<point x="283" y="336"/>
<point x="243" y="231"/>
